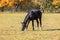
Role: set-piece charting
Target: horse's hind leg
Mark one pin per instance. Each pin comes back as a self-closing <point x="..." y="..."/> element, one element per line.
<point x="40" y="22"/>
<point x="37" y="23"/>
<point x="33" y="24"/>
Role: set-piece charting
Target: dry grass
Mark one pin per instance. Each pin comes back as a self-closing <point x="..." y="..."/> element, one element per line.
<point x="10" y="27"/>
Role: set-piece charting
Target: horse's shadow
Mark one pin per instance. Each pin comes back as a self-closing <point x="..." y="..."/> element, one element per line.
<point x="46" y="30"/>
<point x="51" y="30"/>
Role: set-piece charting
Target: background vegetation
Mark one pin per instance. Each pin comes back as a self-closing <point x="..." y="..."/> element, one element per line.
<point x="23" y="5"/>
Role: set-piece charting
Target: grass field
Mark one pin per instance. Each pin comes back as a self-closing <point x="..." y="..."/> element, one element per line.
<point x="10" y="27"/>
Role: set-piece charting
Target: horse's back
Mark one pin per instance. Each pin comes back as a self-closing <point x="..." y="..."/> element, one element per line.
<point x="34" y="13"/>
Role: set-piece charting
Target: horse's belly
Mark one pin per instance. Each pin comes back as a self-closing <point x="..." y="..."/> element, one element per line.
<point x="33" y="18"/>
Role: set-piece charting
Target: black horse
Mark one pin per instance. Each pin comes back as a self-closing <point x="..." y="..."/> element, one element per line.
<point x="31" y="16"/>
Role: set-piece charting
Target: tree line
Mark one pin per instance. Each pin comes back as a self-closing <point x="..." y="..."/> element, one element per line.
<point x="23" y="5"/>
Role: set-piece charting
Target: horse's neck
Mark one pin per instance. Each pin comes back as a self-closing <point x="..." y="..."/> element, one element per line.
<point x="26" y="18"/>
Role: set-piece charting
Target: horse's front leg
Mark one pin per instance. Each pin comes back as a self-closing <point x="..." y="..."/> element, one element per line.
<point x="27" y="24"/>
<point x="33" y="24"/>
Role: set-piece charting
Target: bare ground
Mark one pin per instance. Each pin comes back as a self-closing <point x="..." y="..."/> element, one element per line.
<point x="10" y="27"/>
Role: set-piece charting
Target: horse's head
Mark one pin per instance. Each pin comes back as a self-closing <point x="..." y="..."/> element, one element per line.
<point x="23" y="26"/>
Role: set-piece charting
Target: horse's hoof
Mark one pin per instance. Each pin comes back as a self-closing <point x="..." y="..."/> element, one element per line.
<point x="22" y="30"/>
<point x="33" y="30"/>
